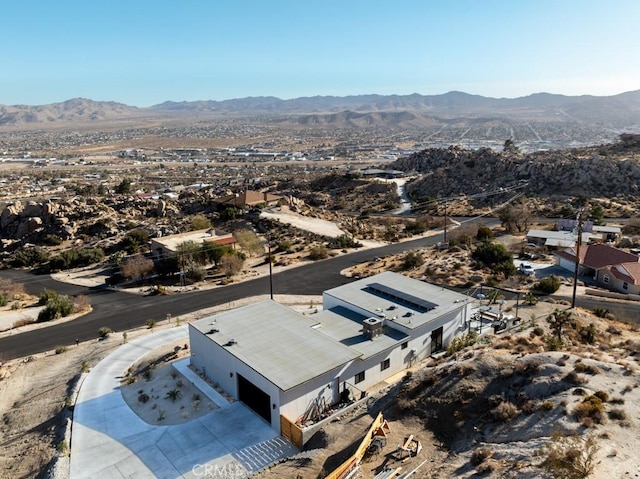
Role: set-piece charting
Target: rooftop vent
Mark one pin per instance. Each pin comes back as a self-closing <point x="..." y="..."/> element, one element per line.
<point x="231" y="342"/>
<point x="213" y="331"/>
<point x="372" y="327"/>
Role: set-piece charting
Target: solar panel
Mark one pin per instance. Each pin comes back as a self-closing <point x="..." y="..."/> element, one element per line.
<point x="410" y="300"/>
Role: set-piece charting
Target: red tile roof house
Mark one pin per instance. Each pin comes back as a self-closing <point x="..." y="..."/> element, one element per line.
<point x="610" y="267"/>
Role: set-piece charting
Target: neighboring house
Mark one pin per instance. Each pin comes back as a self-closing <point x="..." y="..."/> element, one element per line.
<point x="610" y="267"/>
<point x="610" y="234"/>
<point x="249" y="198"/>
<point x="559" y="239"/>
<point x="166" y="246"/>
<point x="378" y="173"/>
<point x="291" y="368"/>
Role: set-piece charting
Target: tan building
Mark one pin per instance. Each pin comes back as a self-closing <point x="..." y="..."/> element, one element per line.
<point x="167" y="246"/>
<point x="249" y="198"/>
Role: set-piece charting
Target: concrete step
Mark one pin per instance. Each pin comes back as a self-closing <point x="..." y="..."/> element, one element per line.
<point x="257" y="457"/>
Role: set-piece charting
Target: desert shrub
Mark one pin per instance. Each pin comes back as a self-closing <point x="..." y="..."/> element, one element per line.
<point x="602" y="395"/>
<point x="547" y="406"/>
<point x="588" y="334"/>
<point x="3" y="300"/>
<point x="600" y="312"/>
<point x="46" y="295"/>
<point x="283" y="246"/>
<point x="618" y="415"/>
<point x="104" y="332"/>
<point x="538" y="331"/>
<point x="195" y="272"/>
<point x="150" y="323"/>
<point x="617" y="400"/>
<point x="52" y="240"/>
<point x="486" y="467"/>
<point x="479" y="455"/>
<point x="27" y="257"/>
<point x="547" y="285"/>
<point x="554" y="344"/>
<point x="530" y="299"/>
<point x="505" y="411"/>
<point x="57" y="306"/>
<point x="496" y="257"/>
<point x="81" y="303"/>
<point x="591" y="407"/>
<point x="574" y="378"/>
<point x="22" y="322"/>
<point x="344" y="241"/>
<point x="412" y="260"/>
<point x="61" y="349"/>
<point x="76" y="258"/>
<point x="570" y="457"/>
<point x="586" y="368"/>
<point x="318" y="252"/>
<point x="415" y="227"/>
<point x="200" y="222"/>
<point x="462" y="342"/>
<point x="484" y="233"/>
<point x="143" y="398"/>
<point x="613" y="330"/>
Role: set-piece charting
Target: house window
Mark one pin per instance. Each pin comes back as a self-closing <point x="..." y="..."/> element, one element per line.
<point x="605" y="279"/>
<point x="359" y="377"/>
<point x="404" y="345"/>
<point x="625" y="285"/>
<point x="385" y="364"/>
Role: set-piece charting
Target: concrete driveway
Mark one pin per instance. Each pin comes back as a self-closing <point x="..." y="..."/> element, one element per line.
<point x="110" y="441"/>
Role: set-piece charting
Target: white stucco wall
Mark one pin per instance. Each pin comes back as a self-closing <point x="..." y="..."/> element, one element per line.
<point x="222" y="367"/>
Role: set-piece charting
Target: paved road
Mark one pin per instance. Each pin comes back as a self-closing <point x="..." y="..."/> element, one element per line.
<point x="121" y="311"/>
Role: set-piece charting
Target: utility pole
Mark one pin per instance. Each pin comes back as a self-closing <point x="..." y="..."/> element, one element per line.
<point x="580" y="220"/>
<point x="270" y="272"/>
<point x="445" y="220"/>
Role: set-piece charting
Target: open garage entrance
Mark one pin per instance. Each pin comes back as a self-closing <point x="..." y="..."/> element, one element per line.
<point x="254" y="397"/>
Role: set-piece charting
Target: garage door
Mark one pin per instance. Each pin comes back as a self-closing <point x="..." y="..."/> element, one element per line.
<point x="254" y="397"/>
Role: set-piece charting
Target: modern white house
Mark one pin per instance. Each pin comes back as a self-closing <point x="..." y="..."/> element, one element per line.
<point x="289" y="367"/>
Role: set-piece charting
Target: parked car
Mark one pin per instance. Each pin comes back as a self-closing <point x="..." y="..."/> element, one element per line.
<point x="526" y="268"/>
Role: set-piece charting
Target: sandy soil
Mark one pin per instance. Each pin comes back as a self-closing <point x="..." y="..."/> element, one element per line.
<point x="148" y="389"/>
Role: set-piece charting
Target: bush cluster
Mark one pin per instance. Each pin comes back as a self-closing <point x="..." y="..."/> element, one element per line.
<point x="76" y="258"/>
<point x="548" y="285"/>
<point x="55" y="306"/>
<point x="28" y="257"/>
<point x="462" y="342"/>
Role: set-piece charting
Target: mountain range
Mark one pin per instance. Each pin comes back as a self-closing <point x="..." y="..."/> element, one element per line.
<point x="622" y="110"/>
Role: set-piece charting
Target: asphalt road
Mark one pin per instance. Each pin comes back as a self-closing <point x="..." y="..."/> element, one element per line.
<point x="122" y="311"/>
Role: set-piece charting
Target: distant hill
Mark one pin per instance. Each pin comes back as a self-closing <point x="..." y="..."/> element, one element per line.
<point x="356" y="111"/>
<point x="70" y="111"/>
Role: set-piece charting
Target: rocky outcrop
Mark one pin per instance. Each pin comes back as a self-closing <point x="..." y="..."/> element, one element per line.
<point x="604" y="172"/>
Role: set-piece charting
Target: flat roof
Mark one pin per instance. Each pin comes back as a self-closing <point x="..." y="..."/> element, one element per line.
<point x="561" y="235"/>
<point x="393" y="297"/>
<point x="198" y="236"/>
<point x="277" y="342"/>
<point x="345" y="326"/>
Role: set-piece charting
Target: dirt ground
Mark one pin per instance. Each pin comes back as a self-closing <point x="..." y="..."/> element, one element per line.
<point x="33" y="397"/>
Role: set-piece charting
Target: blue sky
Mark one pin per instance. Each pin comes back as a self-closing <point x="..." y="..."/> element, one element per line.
<point x="143" y="52"/>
